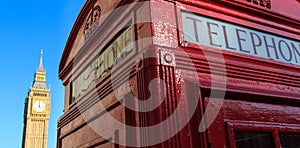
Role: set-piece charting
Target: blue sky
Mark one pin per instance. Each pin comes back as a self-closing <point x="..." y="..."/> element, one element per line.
<point x="26" y="27"/>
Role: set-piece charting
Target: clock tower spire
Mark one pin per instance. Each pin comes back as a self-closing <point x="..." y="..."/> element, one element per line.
<point x="37" y="111"/>
<point x="41" y="66"/>
<point x="40" y="75"/>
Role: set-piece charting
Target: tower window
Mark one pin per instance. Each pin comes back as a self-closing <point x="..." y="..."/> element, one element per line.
<point x="40" y="95"/>
<point x="40" y="78"/>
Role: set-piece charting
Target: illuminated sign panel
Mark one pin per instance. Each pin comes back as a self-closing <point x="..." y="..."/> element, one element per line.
<point x="117" y="50"/>
<point x="227" y="36"/>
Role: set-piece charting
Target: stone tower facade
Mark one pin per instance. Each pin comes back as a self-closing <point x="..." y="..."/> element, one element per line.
<point x="37" y="111"/>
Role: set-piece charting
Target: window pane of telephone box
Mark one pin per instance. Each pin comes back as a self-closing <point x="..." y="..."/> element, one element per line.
<point x="289" y="140"/>
<point x="246" y="139"/>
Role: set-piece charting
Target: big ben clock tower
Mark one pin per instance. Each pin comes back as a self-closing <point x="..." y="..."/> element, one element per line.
<point x="37" y="111"/>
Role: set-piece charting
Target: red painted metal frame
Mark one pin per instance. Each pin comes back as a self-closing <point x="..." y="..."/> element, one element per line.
<point x="237" y="114"/>
<point x="277" y="82"/>
<point x="274" y="128"/>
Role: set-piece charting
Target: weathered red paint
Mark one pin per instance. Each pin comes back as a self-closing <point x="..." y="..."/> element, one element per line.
<point x="261" y="94"/>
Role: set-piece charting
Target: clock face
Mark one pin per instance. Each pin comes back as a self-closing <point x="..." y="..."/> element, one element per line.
<point x="39" y="106"/>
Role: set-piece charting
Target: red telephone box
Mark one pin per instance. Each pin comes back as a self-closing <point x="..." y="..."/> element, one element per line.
<point x="209" y="73"/>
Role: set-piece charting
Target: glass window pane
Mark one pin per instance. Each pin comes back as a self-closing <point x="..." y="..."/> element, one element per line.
<point x="247" y="139"/>
<point x="289" y="140"/>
